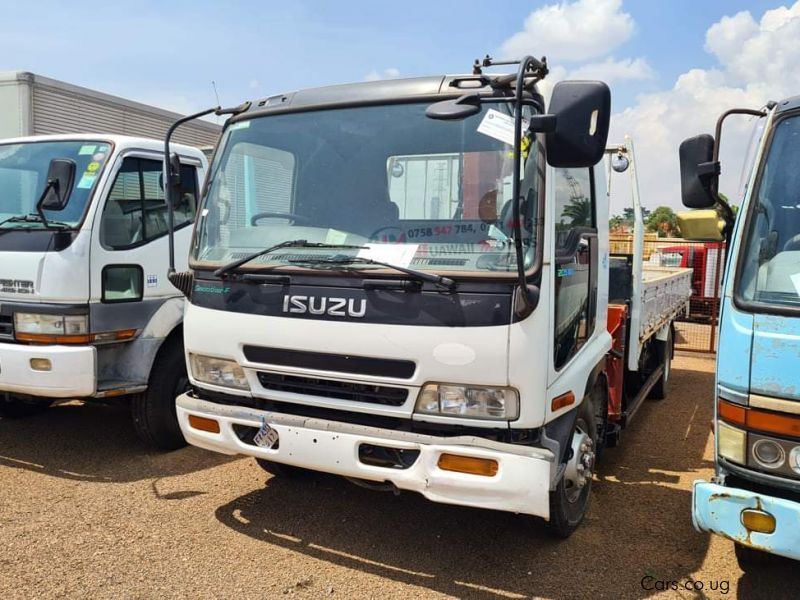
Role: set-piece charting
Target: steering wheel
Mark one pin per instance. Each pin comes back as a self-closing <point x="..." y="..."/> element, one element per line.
<point x="279" y="215"/>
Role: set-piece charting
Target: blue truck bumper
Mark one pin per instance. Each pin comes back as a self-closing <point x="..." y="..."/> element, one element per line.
<point x="718" y="509"/>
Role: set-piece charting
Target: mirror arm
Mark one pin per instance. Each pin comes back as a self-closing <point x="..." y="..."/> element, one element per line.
<point x="171" y="178"/>
<point x="713" y="169"/>
<point x="530" y="297"/>
<point x="40" y="211"/>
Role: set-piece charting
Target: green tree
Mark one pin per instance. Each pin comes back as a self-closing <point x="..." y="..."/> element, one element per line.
<point x="579" y="210"/>
<point x="663" y="221"/>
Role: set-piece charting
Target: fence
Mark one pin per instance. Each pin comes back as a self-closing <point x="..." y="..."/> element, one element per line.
<point x="696" y="330"/>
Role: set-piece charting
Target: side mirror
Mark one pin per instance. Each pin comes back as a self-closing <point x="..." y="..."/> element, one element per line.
<point x="701" y="226"/>
<point x="58" y="188"/>
<point x="583" y="112"/>
<point x="451" y="110"/>
<point x="699" y="172"/>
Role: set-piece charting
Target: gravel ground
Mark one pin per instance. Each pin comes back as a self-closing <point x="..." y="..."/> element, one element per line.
<point x="86" y="511"/>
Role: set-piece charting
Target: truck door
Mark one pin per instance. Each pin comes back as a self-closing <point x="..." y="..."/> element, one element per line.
<point x="129" y="248"/>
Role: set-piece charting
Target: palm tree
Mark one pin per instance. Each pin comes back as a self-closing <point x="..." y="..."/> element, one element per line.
<point x="579" y="210"/>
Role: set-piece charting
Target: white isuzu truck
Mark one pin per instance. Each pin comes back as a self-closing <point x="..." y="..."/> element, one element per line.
<point x="406" y="283"/>
<point x="86" y="310"/>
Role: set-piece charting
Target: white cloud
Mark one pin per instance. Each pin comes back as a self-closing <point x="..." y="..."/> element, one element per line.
<point x="571" y="31"/>
<point x="375" y="75"/>
<point x="757" y="62"/>
<point x="610" y="70"/>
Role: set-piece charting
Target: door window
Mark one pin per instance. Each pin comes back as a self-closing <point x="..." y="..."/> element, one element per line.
<point x="575" y="261"/>
<point x="136" y="210"/>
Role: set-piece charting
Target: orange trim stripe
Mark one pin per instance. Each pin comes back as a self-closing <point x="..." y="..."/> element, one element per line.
<point x="760" y="420"/>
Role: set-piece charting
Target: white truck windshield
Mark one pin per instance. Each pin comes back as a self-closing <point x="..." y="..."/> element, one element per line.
<point x="23" y="177"/>
<point x="771" y="269"/>
<point x="432" y="195"/>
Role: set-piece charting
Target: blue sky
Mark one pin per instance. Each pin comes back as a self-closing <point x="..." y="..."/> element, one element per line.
<point x="167" y="53"/>
<point x="173" y="50"/>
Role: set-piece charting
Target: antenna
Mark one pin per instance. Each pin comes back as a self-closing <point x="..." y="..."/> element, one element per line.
<point x="216" y="94"/>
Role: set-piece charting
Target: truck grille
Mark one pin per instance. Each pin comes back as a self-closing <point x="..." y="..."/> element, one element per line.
<point x="6" y="327"/>
<point x="341" y="390"/>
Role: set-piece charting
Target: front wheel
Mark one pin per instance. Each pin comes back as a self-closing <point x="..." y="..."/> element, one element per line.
<point x="751" y="559"/>
<point x="570" y="500"/>
<point x="13" y="407"/>
<point x="154" y="415"/>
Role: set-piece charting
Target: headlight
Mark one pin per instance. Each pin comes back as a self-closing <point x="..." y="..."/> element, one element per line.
<point x="769" y="454"/>
<point x="794" y="459"/>
<point x="468" y="401"/>
<point x="53" y="329"/>
<point x="218" y="371"/>
<point x="732" y="443"/>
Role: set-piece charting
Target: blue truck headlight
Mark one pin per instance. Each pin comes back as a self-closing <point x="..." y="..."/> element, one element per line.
<point x="218" y="371"/>
<point x="470" y="401"/>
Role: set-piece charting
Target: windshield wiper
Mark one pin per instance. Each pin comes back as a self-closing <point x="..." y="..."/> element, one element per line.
<point x="341" y="259"/>
<point x="224" y="269"/>
<point x="35" y="218"/>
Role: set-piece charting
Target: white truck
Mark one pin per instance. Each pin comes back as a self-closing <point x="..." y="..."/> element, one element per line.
<point x="406" y="283"/>
<point x="86" y="310"/>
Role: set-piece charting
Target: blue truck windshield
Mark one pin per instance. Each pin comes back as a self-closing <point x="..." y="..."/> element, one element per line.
<point x="23" y="176"/>
<point x="433" y="195"/>
<point x="770" y="273"/>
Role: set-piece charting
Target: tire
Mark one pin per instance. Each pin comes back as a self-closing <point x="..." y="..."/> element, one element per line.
<point x="12" y="407"/>
<point x="751" y="559"/>
<point x="154" y="415"/>
<point x="568" y="504"/>
<point x="664" y="351"/>
<point x="280" y="470"/>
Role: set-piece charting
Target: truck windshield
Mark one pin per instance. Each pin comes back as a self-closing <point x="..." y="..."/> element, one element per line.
<point x="770" y="272"/>
<point x="23" y="176"/>
<point x="416" y="192"/>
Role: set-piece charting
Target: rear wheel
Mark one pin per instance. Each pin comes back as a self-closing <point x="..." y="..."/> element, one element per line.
<point x="14" y="407"/>
<point x="154" y="415"/>
<point x="664" y="353"/>
<point x="570" y="500"/>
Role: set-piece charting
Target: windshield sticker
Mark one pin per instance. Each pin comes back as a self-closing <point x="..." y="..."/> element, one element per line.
<point x="87" y="181"/>
<point x="500" y="126"/>
<point x="335" y="237"/>
<point x="92" y="167"/>
<point x="99" y="156"/>
<point x="88" y="149"/>
<point x="395" y="254"/>
<point x="239" y="125"/>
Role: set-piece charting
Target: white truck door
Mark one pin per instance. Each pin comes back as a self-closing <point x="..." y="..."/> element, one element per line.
<point x="129" y="256"/>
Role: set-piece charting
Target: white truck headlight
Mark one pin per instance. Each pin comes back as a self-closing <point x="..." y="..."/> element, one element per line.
<point x="34" y="327"/>
<point x="469" y="401"/>
<point x="218" y="371"/>
<point x="732" y="443"/>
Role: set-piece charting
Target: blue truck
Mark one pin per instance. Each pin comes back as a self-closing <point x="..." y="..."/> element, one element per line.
<point x="754" y="497"/>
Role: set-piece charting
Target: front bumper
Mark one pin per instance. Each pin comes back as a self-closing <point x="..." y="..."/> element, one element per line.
<point x="718" y="509"/>
<point x="72" y="374"/>
<point x="521" y="485"/>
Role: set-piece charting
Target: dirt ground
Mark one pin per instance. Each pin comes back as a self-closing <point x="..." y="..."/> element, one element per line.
<point x="86" y="511"/>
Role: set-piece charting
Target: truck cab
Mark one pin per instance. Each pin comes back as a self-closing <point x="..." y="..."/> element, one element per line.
<point x="754" y="497"/>
<point x="86" y="310"/>
<point x="406" y="283"/>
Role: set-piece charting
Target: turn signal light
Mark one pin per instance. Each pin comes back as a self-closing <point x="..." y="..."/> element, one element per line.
<point x="204" y="424"/>
<point x="41" y="364"/>
<point x="47" y="338"/>
<point x="468" y="464"/>
<point x="751" y="418"/>
<point x="758" y="521"/>
<point x="561" y="401"/>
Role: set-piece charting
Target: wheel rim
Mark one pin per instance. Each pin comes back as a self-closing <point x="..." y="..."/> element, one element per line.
<point x="580" y="467"/>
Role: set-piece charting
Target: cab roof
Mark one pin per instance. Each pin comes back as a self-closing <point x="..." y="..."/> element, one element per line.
<point x="376" y="92"/>
<point x="120" y="142"/>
